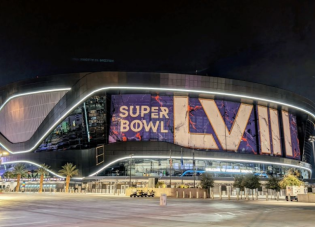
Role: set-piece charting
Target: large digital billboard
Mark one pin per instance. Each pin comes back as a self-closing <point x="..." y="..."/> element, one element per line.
<point x="199" y="123"/>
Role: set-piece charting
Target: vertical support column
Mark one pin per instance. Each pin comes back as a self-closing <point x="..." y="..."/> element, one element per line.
<point x="86" y="123"/>
<point x="275" y="132"/>
<point x="106" y="127"/>
<point x="287" y="134"/>
<point x="264" y="134"/>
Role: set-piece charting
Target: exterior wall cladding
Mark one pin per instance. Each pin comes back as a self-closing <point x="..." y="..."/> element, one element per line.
<point x="152" y="113"/>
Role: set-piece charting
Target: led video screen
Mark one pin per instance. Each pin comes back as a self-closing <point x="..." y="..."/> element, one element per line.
<point x="205" y="124"/>
<point x="184" y="121"/>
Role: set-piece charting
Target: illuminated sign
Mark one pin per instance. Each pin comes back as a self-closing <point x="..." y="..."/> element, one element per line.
<point x="200" y="123"/>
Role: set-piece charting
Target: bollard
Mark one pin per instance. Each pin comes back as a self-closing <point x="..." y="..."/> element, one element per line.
<point x="197" y="195"/>
<point x="267" y="196"/>
<point x="163" y="198"/>
<point x="176" y="194"/>
<point x="183" y="194"/>
<point x="190" y="194"/>
<point x="204" y="195"/>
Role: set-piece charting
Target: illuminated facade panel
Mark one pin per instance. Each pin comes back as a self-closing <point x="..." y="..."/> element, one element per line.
<point x="21" y="116"/>
<point x="275" y="132"/>
<point x="264" y="133"/>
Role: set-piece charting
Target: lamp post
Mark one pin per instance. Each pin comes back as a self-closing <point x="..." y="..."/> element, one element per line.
<point x="130" y="162"/>
<point x="194" y="167"/>
<point x="171" y="163"/>
<point x="182" y="164"/>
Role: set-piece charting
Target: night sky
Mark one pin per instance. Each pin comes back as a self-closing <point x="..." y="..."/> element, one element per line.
<point x="268" y="42"/>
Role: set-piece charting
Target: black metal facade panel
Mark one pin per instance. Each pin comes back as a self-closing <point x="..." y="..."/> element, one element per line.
<point x="85" y="160"/>
<point x="124" y="149"/>
<point x="84" y="83"/>
<point x="37" y="84"/>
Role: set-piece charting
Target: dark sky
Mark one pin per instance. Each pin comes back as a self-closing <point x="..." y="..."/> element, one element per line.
<point x="269" y="42"/>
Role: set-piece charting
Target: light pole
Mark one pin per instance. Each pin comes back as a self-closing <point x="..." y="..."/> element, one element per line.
<point x="194" y="167"/>
<point x="171" y="163"/>
<point x="130" y="162"/>
<point x="182" y="164"/>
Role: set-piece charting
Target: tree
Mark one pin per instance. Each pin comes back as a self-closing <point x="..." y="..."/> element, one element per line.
<point x="206" y="181"/>
<point x="295" y="172"/>
<point x="290" y="180"/>
<point x="273" y="184"/>
<point x="251" y="181"/>
<point x="19" y="171"/>
<point x="42" y="171"/>
<point x="68" y="170"/>
<point x="239" y="182"/>
<point x="8" y="174"/>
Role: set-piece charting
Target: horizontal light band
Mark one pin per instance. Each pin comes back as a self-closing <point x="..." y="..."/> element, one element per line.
<point x="162" y="157"/>
<point x="32" y="93"/>
<point x="201" y="158"/>
<point x="228" y="170"/>
<point x="153" y="89"/>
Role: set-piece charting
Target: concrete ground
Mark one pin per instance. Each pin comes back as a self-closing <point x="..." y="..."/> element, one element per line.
<point x="48" y="209"/>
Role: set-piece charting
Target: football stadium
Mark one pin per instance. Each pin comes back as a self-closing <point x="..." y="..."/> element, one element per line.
<point x="129" y="126"/>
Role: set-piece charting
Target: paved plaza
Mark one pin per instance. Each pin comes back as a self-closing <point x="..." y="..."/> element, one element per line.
<point x="48" y="209"/>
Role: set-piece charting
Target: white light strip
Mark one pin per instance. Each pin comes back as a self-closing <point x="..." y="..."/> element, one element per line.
<point x="208" y="159"/>
<point x="32" y="163"/>
<point x="162" y="157"/>
<point x="32" y="93"/>
<point x="153" y="89"/>
<point x="228" y="170"/>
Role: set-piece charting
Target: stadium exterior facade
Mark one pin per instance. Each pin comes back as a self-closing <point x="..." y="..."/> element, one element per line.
<point x="155" y="124"/>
